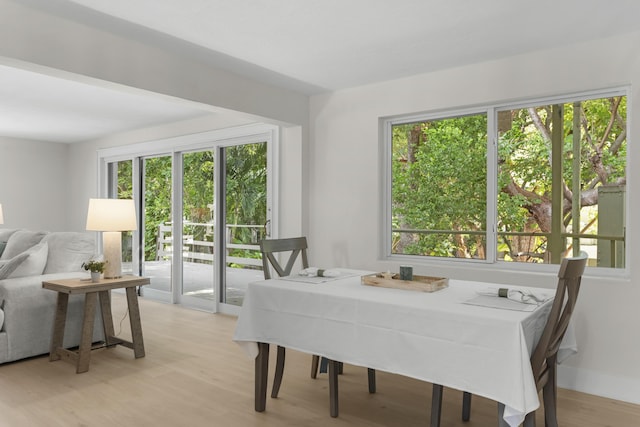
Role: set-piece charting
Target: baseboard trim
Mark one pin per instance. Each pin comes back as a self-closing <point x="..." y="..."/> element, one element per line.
<point x="592" y="382"/>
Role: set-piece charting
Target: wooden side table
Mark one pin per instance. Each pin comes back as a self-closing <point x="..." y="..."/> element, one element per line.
<point x="92" y="292"/>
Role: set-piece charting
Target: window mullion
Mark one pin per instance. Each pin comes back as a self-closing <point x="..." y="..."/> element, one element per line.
<point x="556" y="241"/>
<point x="492" y="186"/>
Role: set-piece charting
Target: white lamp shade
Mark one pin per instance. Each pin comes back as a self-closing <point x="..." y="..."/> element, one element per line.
<point x="1" y="216"/>
<point x="111" y="215"/>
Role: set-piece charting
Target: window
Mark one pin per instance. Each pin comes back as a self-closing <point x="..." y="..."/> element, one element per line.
<point x="429" y="157"/>
<point x="524" y="183"/>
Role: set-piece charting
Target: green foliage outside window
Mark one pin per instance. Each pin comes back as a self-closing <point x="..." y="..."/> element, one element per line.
<point x="246" y="177"/>
<point x="439" y="183"/>
<point x="439" y="180"/>
<point x="157" y="201"/>
<point x="246" y="168"/>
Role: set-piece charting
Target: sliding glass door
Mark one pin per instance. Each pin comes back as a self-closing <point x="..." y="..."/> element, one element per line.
<point x="198" y="226"/>
<point x="158" y="245"/>
<point x="242" y="195"/>
<point x="203" y="208"/>
<point x="245" y="216"/>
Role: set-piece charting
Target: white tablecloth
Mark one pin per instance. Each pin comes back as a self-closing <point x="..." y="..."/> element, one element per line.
<point x="434" y="337"/>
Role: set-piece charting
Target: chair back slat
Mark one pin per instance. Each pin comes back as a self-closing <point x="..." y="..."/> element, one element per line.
<point x="271" y="248"/>
<point x="560" y="330"/>
<point x="569" y="278"/>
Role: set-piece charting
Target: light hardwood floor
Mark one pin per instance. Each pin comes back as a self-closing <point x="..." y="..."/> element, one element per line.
<point x="194" y="375"/>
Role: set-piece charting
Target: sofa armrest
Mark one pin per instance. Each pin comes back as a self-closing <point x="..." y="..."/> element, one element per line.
<point x="29" y="316"/>
<point x="24" y="300"/>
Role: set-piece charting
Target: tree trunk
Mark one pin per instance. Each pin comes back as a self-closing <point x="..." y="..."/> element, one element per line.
<point x="413" y="144"/>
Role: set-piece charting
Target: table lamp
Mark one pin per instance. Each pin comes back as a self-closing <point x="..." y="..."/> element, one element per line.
<point x="111" y="216"/>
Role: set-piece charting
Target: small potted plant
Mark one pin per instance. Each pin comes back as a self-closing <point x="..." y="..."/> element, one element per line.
<point x="96" y="267"/>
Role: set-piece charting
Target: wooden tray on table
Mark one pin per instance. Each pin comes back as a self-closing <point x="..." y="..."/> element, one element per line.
<point x="419" y="283"/>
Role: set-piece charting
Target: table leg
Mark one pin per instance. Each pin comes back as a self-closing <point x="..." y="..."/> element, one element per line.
<point x="84" y="351"/>
<point x="436" y="404"/>
<point x="466" y="406"/>
<point x="57" y="334"/>
<point x="334" y="369"/>
<point x="107" y="318"/>
<point x="134" y="319"/>
<point x="371" y="379"/>
<point x="261" y="373"/>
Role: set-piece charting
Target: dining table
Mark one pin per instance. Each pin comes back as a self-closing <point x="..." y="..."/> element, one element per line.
<point x="463" y="336"/>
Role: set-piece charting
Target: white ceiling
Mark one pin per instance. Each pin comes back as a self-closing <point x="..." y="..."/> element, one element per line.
<point x="307" y="45"/>
<point x="46" y="108"/>
<point x="333" y="44"/>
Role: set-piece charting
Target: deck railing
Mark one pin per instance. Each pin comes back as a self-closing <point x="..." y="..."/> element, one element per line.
<point x="203" y="250"/>
<point x="615" y="252"/>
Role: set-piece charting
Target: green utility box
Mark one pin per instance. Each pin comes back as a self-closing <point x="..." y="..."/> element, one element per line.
<point x="611" y="220"/>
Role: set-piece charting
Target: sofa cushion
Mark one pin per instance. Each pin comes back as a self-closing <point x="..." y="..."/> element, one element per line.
<point x="34" y="263"/>
<point x="20" y="241"/>
<point x="5" y="233"/>
<point x="1" y="319"/>
<point x="68" y="250"/>
<point x="8" y="266"/>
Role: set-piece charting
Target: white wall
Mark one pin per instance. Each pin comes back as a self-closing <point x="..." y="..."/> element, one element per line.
<point x="33" y="184"/>
<point x="290" y="185"/>
<point x="344" y="187"/>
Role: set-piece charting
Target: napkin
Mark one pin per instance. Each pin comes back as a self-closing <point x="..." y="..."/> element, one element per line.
<point x="319" y="272"/>
<point x="524" y="296"/>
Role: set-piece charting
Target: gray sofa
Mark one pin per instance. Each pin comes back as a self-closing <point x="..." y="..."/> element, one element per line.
<point x="26" y="309"/>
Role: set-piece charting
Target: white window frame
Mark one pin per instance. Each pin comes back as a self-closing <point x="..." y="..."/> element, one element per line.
<point x="491" y="110"/>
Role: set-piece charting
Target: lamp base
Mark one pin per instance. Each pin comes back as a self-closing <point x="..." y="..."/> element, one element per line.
<point x="112" y="249"/>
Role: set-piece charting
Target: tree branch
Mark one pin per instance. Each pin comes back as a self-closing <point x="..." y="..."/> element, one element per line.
<point x="537" y="121"/>
<point x="618" y="142"/>
<point x="615" y="103"/>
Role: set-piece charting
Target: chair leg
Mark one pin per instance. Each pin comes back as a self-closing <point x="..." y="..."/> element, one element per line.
<point x="530" y="420"/>
<point x="371" y="376"/>
<point x="261" y="374"/>
<point x="324" y="364"/>
<point x="333" y="388"/>
<point x="315" y="364"/>
<point x="277" y="379"/>
<point x="549" y="396"/>
<point x="466" y="406"/>
<point x="436" y="405"/>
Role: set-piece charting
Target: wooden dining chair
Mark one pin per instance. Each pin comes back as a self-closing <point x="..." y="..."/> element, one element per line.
<point x="297" y="246"/>
<point x="544" y="359"/>
<point x="271" y="249"/>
